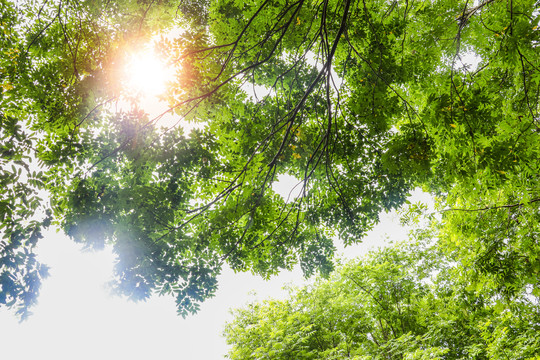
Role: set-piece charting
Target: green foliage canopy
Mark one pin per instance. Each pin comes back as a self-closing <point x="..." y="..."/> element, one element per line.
<point x="396" y="303"/>
<point x="361" y="101"/>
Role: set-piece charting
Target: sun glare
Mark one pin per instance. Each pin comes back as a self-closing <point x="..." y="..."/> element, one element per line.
<point x="146" y="74"/>
<point x="143" y="80"/>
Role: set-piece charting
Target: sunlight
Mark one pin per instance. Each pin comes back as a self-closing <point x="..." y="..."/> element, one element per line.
<point x="146" y="74"/>
<point x="144" y="78"/>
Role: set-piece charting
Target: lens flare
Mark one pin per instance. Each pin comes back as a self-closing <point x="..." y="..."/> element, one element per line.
<point x="146" y="74"/>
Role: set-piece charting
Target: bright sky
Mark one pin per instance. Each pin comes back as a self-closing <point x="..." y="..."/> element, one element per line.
<point x="76" y="319"/>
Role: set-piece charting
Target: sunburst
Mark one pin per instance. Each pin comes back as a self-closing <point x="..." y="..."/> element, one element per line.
<point x="146" y="74"/>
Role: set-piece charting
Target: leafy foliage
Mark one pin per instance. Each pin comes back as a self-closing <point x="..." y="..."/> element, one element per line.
<point x="360" y="101"/>
<point x="53" y="60"/>
<point x="396" y="303"/>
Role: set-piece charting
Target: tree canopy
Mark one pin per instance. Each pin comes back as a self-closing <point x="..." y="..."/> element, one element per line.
<point x="398" y="303"/>
<point x="360" y="101"/>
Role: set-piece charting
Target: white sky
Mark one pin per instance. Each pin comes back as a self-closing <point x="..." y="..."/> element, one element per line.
<point x="77" y="319"/>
